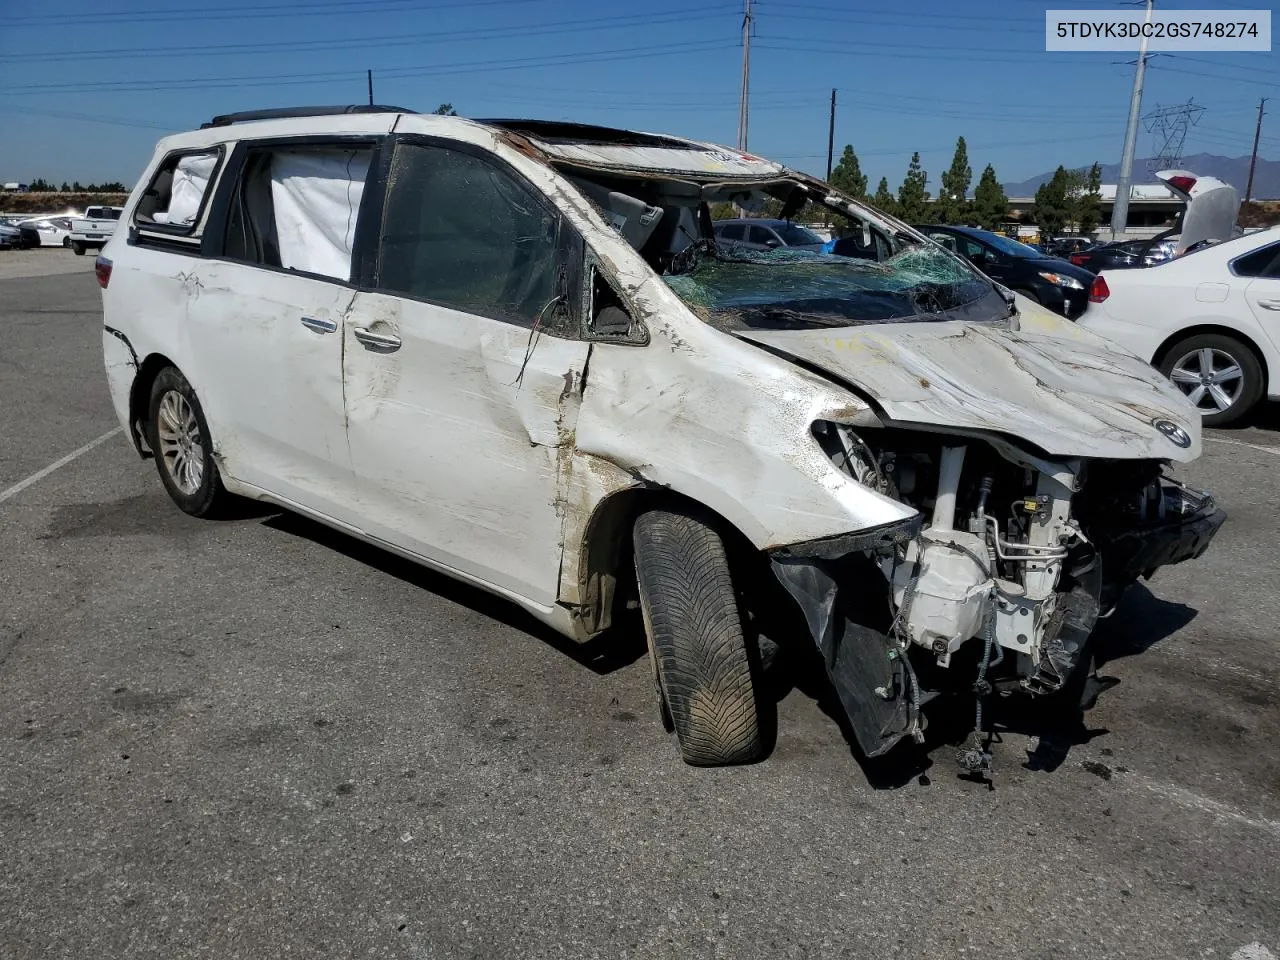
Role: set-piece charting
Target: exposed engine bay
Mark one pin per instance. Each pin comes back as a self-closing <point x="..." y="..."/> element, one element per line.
<point x="1012" y="554"/>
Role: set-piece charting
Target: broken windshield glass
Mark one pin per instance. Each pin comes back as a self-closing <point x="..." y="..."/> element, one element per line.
<point x="734" y="288"/>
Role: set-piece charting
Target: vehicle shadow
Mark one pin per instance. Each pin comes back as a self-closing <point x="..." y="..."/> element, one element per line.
<point x="1054" y="724"/>
<point x="613" y="649"/>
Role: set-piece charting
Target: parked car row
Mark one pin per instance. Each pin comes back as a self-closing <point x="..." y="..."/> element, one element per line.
<point x="76" y="233"/>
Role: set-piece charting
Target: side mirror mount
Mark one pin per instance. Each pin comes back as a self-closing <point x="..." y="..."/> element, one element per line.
<point x="771" y="243"/>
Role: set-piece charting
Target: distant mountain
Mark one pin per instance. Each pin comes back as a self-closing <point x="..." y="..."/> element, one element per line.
<point x="1234" y="170"/>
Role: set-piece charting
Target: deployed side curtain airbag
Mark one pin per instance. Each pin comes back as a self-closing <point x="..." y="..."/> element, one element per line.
<point x="190" y="181"/>
<point x="316" y="194"/>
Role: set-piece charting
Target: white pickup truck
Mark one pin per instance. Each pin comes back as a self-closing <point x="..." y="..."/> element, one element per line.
<point x="94" y="228"/>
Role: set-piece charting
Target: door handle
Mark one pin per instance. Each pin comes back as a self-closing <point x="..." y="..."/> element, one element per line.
<point x="320" y="326"/>
<point x="1269" y="304"/>
<point x="377" y="341"/>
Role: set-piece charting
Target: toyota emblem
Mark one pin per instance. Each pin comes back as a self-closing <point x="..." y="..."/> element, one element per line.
<point x="1174" y="432"/>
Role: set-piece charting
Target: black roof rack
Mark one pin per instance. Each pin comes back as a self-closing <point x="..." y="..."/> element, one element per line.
<point x="284" y="113"/>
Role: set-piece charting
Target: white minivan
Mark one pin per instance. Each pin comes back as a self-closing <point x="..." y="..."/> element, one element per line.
<point x="514" y="351"/>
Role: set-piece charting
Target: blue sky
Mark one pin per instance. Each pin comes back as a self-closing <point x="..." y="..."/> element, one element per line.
<point x="90" y="86"/>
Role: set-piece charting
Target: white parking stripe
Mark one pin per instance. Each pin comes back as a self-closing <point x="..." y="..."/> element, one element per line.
<point x="1241" y="443"/>
<point x="21" y="485"/>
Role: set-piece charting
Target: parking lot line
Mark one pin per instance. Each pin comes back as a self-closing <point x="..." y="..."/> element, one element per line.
<point x="21" y="485"/>
<point x="1240" y="443"/>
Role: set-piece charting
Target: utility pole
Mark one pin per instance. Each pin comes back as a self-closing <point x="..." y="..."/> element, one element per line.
<point x="831" y="133"/>
<point x="1120" y="209"/>
<point x="743" y="106"/>
<point x="1253" y="160"/>
<point x="370" y="73"/>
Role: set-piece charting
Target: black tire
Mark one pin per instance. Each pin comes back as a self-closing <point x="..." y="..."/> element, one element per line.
<point x="706" y="673"/>
<point x="207" y="497"/>
<point x="77" y="248"/>
<point x="66" y="241"/>
<point x="1252" y="382"/>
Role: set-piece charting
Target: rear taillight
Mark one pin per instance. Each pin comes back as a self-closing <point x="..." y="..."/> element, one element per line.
<point x="1079" y="258"/>
<point x="1099" y="291"/>
<point x="1182" y="183"/>
<point x="102" y="269"/>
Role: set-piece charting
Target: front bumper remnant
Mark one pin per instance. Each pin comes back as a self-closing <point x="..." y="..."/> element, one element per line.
<point x="869" y="671"/>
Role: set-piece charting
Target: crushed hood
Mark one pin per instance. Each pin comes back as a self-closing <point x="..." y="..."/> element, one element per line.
<point x="1069" y="397"/>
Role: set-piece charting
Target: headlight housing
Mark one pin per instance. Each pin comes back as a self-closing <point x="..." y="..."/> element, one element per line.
<point x="1062" y="280"/>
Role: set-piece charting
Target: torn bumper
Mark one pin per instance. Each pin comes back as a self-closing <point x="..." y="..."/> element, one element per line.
<point x="868" y="670"/>
<point x="1186" y="524"/>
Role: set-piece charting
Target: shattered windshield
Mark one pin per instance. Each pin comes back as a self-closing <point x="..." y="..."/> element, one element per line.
<point x="734" y="288"/>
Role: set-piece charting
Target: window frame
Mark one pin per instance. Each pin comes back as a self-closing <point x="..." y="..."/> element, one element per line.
<point x="572" y="246"/>
<point x="1272" y="264"/>
<point x="213" y="241"/>
<point x="185" y="239"/>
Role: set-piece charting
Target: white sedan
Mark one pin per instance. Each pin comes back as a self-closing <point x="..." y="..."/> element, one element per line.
<point x="1209" y="320"/>
<point x="46" y="231"/>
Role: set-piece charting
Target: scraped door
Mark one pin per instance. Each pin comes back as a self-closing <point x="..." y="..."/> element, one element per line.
<point x="461" y="408"/>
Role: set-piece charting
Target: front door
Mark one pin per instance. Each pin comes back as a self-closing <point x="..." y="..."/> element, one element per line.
<point x="461" y="387"/>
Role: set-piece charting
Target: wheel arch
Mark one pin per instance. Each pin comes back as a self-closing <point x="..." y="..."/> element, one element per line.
<point x="1162" y="352"/>
<point x="140" y="399"/>
<point x="606" y="571"/>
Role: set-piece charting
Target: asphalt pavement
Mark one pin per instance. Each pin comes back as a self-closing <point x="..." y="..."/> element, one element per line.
<point x="256" y="738"/>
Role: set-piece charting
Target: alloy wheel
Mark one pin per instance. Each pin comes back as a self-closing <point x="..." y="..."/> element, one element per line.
<point x="181" y="446"/>
<point x="1211" y="379"/>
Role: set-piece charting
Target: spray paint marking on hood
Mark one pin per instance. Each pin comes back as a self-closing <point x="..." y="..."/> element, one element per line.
<point x="1069" y="398"/>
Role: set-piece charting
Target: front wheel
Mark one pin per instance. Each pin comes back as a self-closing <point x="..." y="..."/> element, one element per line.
<point x="66" y="242"/>
<point x="77" y="248"/>
<point x="705" y="671"/>
<point x="1219" y="374"/>
<point x="179" y="438"/>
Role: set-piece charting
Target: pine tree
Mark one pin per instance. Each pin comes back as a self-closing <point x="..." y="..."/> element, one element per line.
<point x="66" y="187"/>
<point x="952" y="205"/>
<point x="847" y="177"/>
<point x="990" y="205"/>
<point x="1090" y="214"/>
<point x="912" y="196"/>
<point x="884" y="200"/>
<point x="445" y="110"/>
<point x="1052" y="207"/>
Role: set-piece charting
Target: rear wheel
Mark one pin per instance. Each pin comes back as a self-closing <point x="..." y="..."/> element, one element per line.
<point x="1219" y="374"/>
<point x="66" y="241"/>
<point x="77" y="247"/>
<point x="179" y="438"/>
<point x="705" y="671"/>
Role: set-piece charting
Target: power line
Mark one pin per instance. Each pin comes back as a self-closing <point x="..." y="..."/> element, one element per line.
<point x="397" y="39"/>
<point x="334" y="7"/>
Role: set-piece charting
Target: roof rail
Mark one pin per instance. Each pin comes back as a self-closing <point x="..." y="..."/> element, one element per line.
<point x="284" y="113"/>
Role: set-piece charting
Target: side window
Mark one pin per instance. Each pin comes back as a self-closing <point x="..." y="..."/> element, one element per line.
<point x="1259" y="263"/>
<point x="175" y="197"/>
<point x="461" y="232"/>
<point x="732" y="231"/>
<point x="946" y="239"/>
<point x="296" y="207"/>
<point x="972" y="249"/>
<point x="760" y="235"/>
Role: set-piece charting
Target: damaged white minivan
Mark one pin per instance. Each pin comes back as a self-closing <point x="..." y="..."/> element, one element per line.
<point x="516" y="352"/>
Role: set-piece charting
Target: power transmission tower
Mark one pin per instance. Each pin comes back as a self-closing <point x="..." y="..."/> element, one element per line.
<point x="1170" y="126"/>
<point x="1253" y="159"/>
<point x="744" y="104"/>
<point x="1120" y="209"/>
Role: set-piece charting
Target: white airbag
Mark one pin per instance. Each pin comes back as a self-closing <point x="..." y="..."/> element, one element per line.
<point x="317" y="194"/>
<point x="190" y="181"/>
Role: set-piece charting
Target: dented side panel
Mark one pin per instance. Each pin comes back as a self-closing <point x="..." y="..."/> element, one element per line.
<point x="461" y="439"/>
